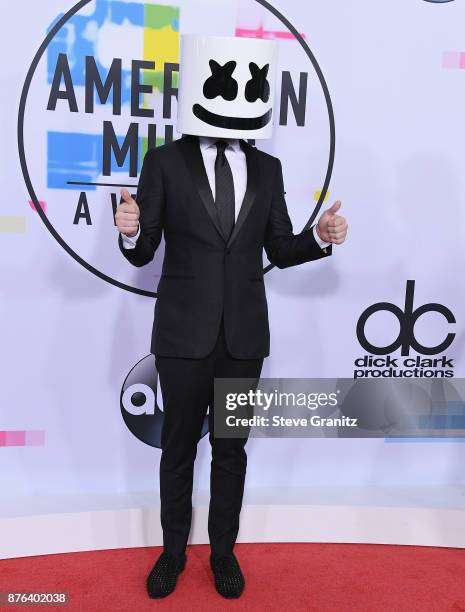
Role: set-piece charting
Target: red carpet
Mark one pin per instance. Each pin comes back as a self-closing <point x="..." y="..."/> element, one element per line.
<point x="284" y="577"/>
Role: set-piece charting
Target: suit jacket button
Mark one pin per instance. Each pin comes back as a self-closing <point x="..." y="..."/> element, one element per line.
<point x="227" y="251"/>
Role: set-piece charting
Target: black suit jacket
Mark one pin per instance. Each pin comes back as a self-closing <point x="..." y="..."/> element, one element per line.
<point x="204" y="276"/>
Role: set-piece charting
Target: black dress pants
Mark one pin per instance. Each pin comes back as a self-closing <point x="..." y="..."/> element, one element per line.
<point x="187" y="389"/>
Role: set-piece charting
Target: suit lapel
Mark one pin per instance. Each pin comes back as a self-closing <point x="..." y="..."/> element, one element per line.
<point x="190" y="150"/>
<point x="251" y="189"/>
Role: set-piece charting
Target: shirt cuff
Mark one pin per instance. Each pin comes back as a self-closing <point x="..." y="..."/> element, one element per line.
<point x="129" y="242"/>
<point x="319" y="241"/>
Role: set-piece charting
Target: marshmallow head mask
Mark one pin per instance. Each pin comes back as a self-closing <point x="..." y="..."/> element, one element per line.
<point x="226" y="86"/>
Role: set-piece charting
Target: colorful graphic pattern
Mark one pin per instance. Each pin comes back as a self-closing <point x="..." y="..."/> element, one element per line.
<point x="74" y="156"/>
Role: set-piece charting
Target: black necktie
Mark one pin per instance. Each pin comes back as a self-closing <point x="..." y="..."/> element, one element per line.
<point x="224" y="190"/>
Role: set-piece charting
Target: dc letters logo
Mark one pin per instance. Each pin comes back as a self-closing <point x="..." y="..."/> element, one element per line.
<point x="387" y="366"/>
<point x="140" y="406"/>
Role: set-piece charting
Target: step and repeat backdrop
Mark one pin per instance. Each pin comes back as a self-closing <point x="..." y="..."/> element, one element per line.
<point x="369" y="109"/>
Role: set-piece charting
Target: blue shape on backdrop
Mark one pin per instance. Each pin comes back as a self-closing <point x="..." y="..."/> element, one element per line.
<point x="78" y="157"/>
<point x="77" y="39"/>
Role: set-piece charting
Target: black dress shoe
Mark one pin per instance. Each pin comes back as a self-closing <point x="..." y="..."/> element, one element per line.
<point x="162" y="579"/>
<point x="229" y="580"/>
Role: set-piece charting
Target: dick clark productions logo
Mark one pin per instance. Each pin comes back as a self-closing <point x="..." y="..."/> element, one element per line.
<point x="379" y="361"/>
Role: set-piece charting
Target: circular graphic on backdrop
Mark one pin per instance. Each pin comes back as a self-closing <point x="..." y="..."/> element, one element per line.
<point x="139" y="406"/>
<point x="72" y="165"/>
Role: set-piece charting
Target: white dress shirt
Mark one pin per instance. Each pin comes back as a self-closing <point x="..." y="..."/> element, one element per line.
<point x="237" y="161"/>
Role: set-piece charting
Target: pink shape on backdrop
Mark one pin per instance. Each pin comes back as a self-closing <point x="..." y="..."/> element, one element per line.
<point x="22" y="438"/>
<point x="261" y="33"/>
<point x="15" y="438"/>
<point x="450" y="59"/>
<point x="42" y="204"/>
<point x="35" y="438"/>
<point x="453" y="59"/>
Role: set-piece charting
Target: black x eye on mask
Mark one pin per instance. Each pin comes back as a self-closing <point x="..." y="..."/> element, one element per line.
<point x="221" y="83"/>
<point x="258" y="86"/>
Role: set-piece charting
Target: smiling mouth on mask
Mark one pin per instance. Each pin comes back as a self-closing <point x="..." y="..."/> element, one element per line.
<point x="231" y="123"/>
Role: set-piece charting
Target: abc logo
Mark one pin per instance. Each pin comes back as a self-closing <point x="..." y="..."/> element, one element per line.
<point x="139" y="408"/>
<point x="407" y="319"/>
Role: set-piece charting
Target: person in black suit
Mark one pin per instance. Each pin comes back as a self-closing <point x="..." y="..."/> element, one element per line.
<point x="219" y="203"/>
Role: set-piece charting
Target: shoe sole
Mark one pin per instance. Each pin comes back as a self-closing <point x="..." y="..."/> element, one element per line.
<point x="229" y="596"/>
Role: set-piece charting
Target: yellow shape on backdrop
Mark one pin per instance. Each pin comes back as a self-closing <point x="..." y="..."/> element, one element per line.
<point x="12" y="224"/>
<point x="161" y="45"/>
<point x="317" y="195"/>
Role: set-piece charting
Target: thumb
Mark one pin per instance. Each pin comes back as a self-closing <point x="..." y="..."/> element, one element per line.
<point x="126" y="196"/>
<point x="335" y="207"/>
